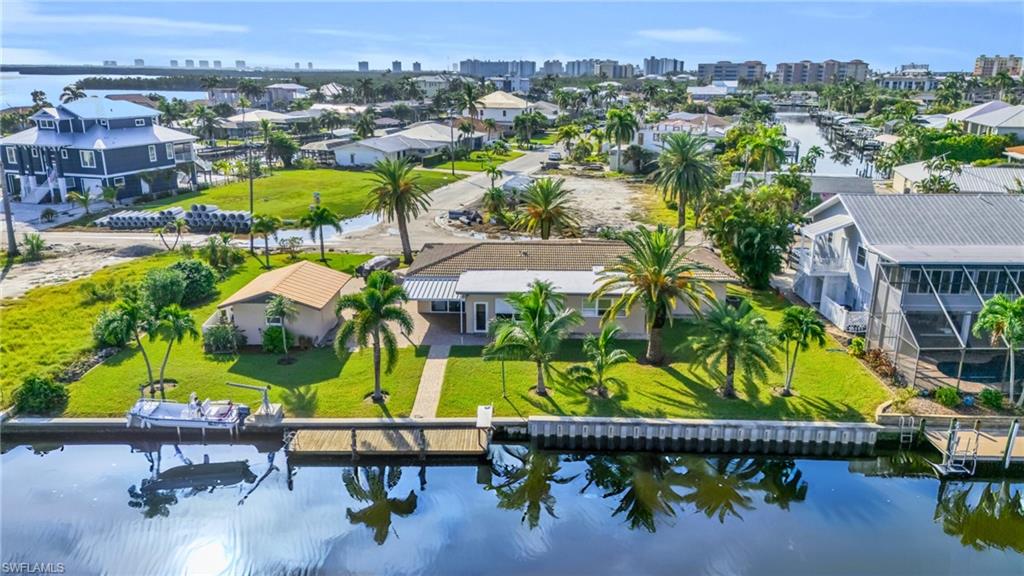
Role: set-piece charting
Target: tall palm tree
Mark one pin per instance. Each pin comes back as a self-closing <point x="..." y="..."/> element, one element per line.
<point x="493" y="172"/>
<point x="800" y="328"/>
<point x="375" y="309"/>
<point x="315" y="220"/>
<point x="656" y="274"/>
<point x="547" y="207"/>
<point x="365" y="125"/>
<point x="397" y="195"/>
<point x="465" y="130"/>
<point x="620" y="127"/>
<point x="602" y="356"/>
<point x="266" y="225"/>
<point x="365" y="88"/>
<point x="174" y="324"/>
<point x="208" y="83"/>
<point x="739" y="336"/>
<point x="281" y="309"/>
<point x="377" y="515"/>
<point x="1003" y="320"/>
<point x="330" y="119"/>
<point x="468" y="99"/>
<point x="568" y="135"/>
<point x="491" y="126"/>
<point x="767" y="147"/>
<point x="137" y="318"/>
<point x="535" y="332"/>
<point x="71" y="93"/>
<point x="206" y="120"/>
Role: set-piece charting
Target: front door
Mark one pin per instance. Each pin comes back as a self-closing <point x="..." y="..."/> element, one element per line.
<point x="480" y="316"/>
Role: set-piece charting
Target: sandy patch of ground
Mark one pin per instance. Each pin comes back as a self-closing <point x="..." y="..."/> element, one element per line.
<point x="65" y="262"/>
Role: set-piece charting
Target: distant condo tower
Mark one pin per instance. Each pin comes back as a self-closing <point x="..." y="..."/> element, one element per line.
<point x="239" y="64"/>
<point x="396" y="66"/>
<point x="364" y="66"/>
<point x="298" y="66"/>
<point x="216" y="63"/>
<point x="174" y="63"/>
<point x="309" y="65"/>
<point x="110" y="62"/>
<point x="204" y="63"/>
<point x="190" y="63"/>
<point x="416" y="67"/>
<point x="140" y="62"/>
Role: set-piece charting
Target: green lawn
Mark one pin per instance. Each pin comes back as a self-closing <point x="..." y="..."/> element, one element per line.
<point x="477" y="161"/>
<point x="288" y="193"/>
<point x="547" y="139"/>
<point x="652" y="209"/>
<point x="829" y="385"/>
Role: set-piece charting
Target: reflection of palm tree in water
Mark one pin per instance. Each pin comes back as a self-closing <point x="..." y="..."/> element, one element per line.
<point x="379" y="481"/>
<point x="782" y="483"/>
<point x="719" y="486"/>
<point x="153" y="503"/>
<point x="526" y="484"/>
<point x="644" y="483"/>
<point x="996" y="520"/>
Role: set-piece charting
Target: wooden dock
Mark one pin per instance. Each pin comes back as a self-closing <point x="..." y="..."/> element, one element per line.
<point x="991" y="446"/>
<point x="369" y="442"/>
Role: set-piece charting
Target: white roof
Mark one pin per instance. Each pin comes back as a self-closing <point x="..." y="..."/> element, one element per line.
<point x="971" y="179"/>
<point x="341" y="108"/>
<point x="97" y="108"/>
<point x="985" y="108"/>
<point x="98" y="137"/>
<point x="431" y="288"/>
<point x="830" y="224"/>
<point x="419" y="136"/>
<point x="1007" y="117"/>
<point x="979" y="255"/>
<point x="256" y="115"/>
<point x="511" y="281"/>
<point x="499" y="99"/>
<point x="288" y="86"/>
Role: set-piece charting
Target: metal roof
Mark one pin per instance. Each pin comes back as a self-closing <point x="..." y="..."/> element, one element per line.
<point x="427" y="288"/>
<point x="971" y="179"/>
<point x="94" y="107"/>
<point x="98" y="137"/>
<point x="984" y="108"/>
<point x="830" y="224"/>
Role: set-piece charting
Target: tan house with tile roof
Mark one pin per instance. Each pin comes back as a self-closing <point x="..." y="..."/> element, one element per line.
<point x="313" y="288"/>
<point x="473" y="280"/>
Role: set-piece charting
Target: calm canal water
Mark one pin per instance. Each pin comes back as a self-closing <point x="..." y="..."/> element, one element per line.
<point x="115" y="509"/>
<point x="838" y="159"/>
<point x="16" y="89"/>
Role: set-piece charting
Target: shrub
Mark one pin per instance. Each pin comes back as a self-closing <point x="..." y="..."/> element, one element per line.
<point x="48" y="215"/>
<point x="856" y="348"/>
<point x="103" y="292"/>
<point x="948" y="397"/>
<point x="38" y="395"/>
<point x="272" y="340"/>
<point x="305" y="164"/>
<point x="111" y="329"/>
<point x="431" y="160"/>
<point x="903" y="397"/>
<point x="223" y="339"/>
<point x="991" y="398"/>
<point x="880" y="363"/>
<point x="187" y="250"/>
<point x="200" y="280"/>
<point x="163" y="286"/>
<point x="34" y="246"/>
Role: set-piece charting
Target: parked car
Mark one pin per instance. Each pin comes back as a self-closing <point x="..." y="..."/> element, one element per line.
<point x="555" y="156"/>
<point x="389" y="263"/>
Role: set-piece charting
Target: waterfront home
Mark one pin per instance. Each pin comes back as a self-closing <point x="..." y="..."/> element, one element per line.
<point x="501" y="107"/>
<point x="314" y="289"/>
<point x="415" y="142"/>
<point x="431" y="84"/>
<point x="912" y="271"/>
<point x="717" y="89"/>
<point x="229" y="96"/>
<point x="549" y="110"/>
<point x="473" y="281"/>
<point x="284" y="93"/>
<point x="994" y="117"/>
<point x="970" y="180"/>
<point x="651" y="136"/>
<point x="823" y="186"/>
<point x="135" y="98"/>
<point x="93" y="142"/>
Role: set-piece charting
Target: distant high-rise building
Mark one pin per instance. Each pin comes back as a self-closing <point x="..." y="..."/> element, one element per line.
<point x="298" y="66"/>
<point x="827" y="72"/>
<point x="991" y="65"/>
<point x="216" y="63"/>
<point x="190" y="63"/>
<point x="174" y="63"/>
<point x="364" y="66"/>
<point x="140" y="62"/>
<point x="416" y="67"/>
<point x="110" y="62"/>
<point x="396" y="66"/>
<point x="309" y="65"/>
<point x="553" y="67"/>
<point x="749" y="71"/>
<point x="239" y="64"/>
<point x="581" y="67"/>
<point x="204" y="63"/>
<point x="488" y="68"/>
<point x="662" y="66"/>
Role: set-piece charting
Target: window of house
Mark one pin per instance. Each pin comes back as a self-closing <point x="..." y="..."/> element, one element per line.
<point x="597" y="308"/>
<point x="170" y="151"/>
<point x="140" y="121"/>
<point x="64" y="153"/>
<point x="45" y="124"/>
<point x="35" y="152"/>
<point x="274" y="321"/>
<point x="12" y="155"/>
<point x="69" y="182"/>
<point x="88" y="158"/>
<point x="862" y="256"/>
<point x="445" y="306"/>
<point x="152" y="152"/>
<point x="119" y="182"/>
<point x="504" y="113"/>
<point x="103" y="122"/>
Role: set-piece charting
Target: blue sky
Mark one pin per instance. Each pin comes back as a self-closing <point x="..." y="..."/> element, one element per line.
<point x="946" y="35"/>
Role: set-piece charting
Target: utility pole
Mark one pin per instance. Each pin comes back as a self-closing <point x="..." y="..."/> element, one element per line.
<point x="248" y="165"/>
<point x="451" y="126"/>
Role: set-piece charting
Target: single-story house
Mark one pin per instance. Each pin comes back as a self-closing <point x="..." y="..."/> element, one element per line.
<point x="547" y="109"/>
<point x="993" y="117"/>
<point x="474" y="280"/>
<point x="415" y="142"/>
<point x="323" y="150"/>
<point x="313" y="288"/>
<point x="823" y="186"/>
<point x="285" y="92"/>
<point x="970" y="180"/>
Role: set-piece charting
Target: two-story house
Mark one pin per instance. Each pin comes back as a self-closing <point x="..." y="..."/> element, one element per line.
<point x="501" y="107"/>
<point x="90" y="143"/>
<point x="912" y="272"/>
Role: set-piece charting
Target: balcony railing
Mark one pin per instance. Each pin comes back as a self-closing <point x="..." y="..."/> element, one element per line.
<point x="184" y="156"/>
<point x="852" y="321"/>
<point x="820" y="264"/>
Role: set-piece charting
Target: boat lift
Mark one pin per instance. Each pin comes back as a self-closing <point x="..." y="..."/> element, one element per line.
<point x="959" y="454"/>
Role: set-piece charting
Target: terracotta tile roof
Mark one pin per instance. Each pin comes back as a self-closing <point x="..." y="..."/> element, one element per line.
<point x="304" y="282"/>
<point x="441" y="260"/>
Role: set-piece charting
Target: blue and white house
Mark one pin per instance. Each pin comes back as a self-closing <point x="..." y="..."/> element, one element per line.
<point x="93" y="142"/>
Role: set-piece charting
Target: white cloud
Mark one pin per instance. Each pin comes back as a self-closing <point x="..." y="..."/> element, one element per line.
<point x="22" y="16"/>
<point x="700" y="35"/>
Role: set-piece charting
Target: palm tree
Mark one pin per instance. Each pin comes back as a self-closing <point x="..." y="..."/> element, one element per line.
<point x="468" y="99"/>
<point x="83" y="199"/>
<point x="208" y="83"/>
<point x="739" y="336"/>
<point x="621" y="126"/>
<point x="493" y="172"/>
<point x="536" y="330"/>
<point x="330" y="119"/>
<point x="645" y="485"/>
<point x="109" y="194"/>
<point x="465" y="130"/>
<point x="568" y="135"/>
<point x="266" y="226"/>
<point x="137" y="319"/>
<point x="365" y="125"/>
<point x="281" y="309"/>
<point x="365" y="88"/>
<point x="495" y="202"/>
<point x="379" y="305"/>
<point x="602" y="356"/>
<point x="397" y="194"/>
<point x="491" y="126"/>
<point x="766" y="146"/>
<point x="547" y="207"/>
<point x="249" y="88"/>
<point x="176" y="227"/>
<point x="381" y="507"/>
<point x="206" y="120"/>
<point x="174" y="324"/>
<point x="315" y="220"/>
<point x="71" y="93"/>
<point x="800" y="328"/>
<point x="1003" y="320"/>
<point x="656" y="274"/>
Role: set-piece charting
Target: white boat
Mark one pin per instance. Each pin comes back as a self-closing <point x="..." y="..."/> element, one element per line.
<point x="148" y="413"/>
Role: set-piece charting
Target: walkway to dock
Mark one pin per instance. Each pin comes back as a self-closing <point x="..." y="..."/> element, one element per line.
<point x="428" y="395"/>
<point x="991" y="445"/>
<point x="390" y="442"/>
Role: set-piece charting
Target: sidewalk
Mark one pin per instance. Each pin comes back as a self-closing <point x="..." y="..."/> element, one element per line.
<point x="428" y="395"/>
